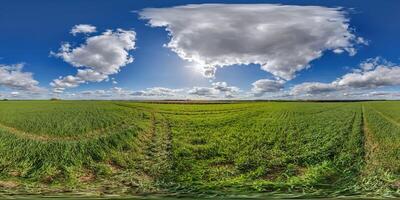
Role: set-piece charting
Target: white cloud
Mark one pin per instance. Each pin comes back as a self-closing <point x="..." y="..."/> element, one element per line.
<point x="83" y="28"/>
<point x="113" y="81"/>
<point x="377" y="77"/>
<point x="372" y="63"/>
<point x="113" y="93"/>
<point x="15" y="94"/>
<point x="156" y="91"/>
<point x="384" y="94"/>
<point x="282" y="39"/>
<point x="203" y="91"/>
<point x="228" y="91"/>
<point x="262" y="86"/>
<point x="373" y="73"/>
<point x="120" y="93"/>
<point x="223" y="87"/>
<point x="217" y="90"/>
<point x="62" y="83"/>
<point x="99" y="57"/>
<point x="91" y="75"/>
<point x="313" y="88"/>
<point x="12" y="76"/>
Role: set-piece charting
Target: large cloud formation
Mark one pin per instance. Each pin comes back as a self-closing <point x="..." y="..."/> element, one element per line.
<point x="283" y="39"/>
<point x="99" y="57"/>
<point x="12" y="76"/>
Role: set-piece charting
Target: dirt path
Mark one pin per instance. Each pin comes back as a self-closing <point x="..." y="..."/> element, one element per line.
<point x="370" y="147"/>
<point x="155" y="150"/>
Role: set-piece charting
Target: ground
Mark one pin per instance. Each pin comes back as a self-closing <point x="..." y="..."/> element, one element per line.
<point x="131" y="148"/>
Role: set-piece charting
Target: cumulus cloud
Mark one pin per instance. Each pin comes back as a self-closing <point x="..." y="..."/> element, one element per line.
<point x="113" y="93"/>
<point x="99" y="57"/>
<point x="203" y="91"/>
<point x="282" y="39"/>
<point x="372" y="73"/>
<point x="378" y="77"/>
<point x="12" y="76"/>
<point x="217" y="89"/>
<point x="60" y="84"/>
<point x="372" y="63"/>
<point x="263" y="86"/>
<point x="83" y="28"/>
<point x="223" y="87"/>
<point x="228" y="91"/>
<point x="312" y="88"/>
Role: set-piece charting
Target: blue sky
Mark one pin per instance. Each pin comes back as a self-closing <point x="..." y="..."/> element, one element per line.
<point x="31" y="30"/>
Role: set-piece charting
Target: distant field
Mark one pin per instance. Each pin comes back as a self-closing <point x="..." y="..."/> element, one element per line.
<point x="104" y="147"/>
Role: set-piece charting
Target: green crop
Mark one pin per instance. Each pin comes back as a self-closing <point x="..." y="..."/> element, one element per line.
<point x="131" y="147"/>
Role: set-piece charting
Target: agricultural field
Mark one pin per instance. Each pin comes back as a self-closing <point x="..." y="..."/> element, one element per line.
<point x="127" y="148"/>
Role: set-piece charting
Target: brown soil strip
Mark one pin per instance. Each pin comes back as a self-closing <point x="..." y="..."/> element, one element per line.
<point x="8" y="184"/>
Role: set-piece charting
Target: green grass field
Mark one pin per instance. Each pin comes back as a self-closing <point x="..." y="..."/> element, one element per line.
<point x="110" y="147"/>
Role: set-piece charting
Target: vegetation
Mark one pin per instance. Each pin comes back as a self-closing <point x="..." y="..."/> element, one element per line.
<point x="328" y="149"/>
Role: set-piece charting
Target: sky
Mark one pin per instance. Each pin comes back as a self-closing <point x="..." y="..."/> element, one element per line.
<point x="157" y="49"/>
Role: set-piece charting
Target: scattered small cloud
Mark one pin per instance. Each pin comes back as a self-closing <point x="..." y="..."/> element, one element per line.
<point x="83" y="28"/>
<point x="156" y="91"/>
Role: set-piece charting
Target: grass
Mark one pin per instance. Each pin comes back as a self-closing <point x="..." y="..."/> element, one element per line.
<point x="114" y="147"/>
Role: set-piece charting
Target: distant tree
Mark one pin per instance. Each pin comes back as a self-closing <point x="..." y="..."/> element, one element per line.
<point x="55" y="99"/>
<point x="5" y="99"/>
